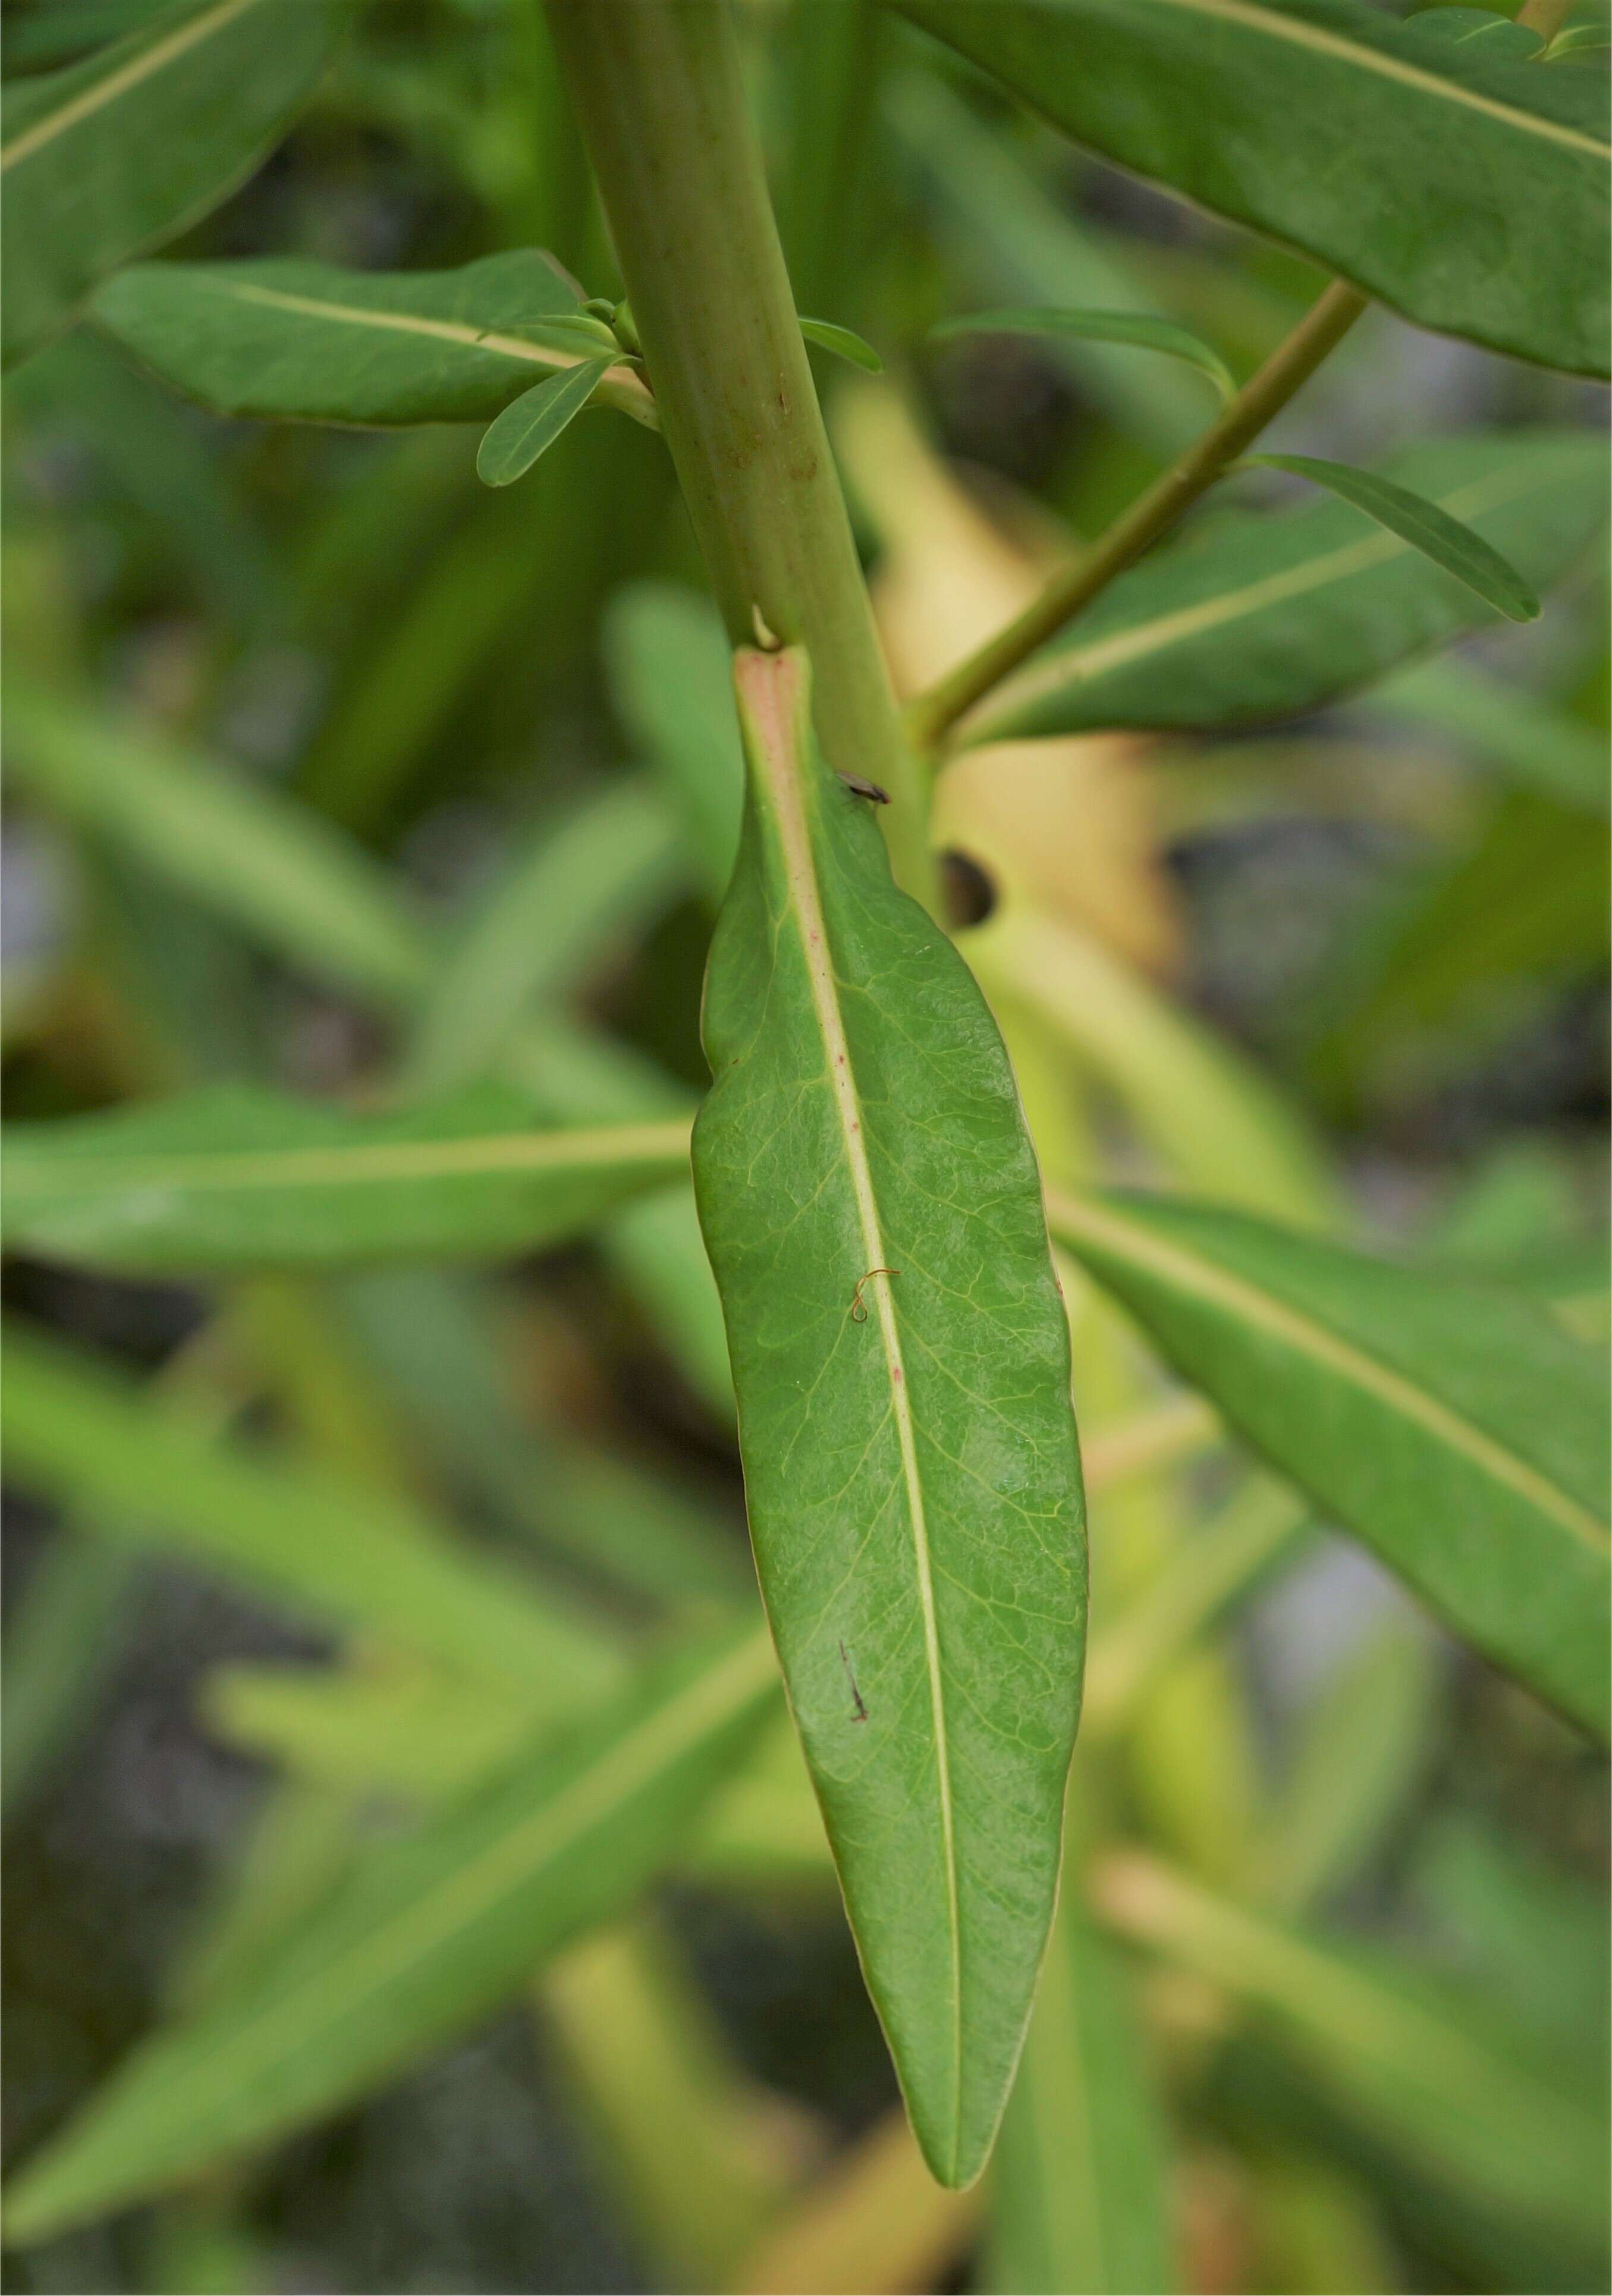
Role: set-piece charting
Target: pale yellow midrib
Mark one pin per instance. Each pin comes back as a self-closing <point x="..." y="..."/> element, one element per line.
<point x="1320" y="41"/>
<point x="1237" y="1295"/>
<point x="119" y="83"/>
<point x="336" y="1167"/>
<point x="407" y="323"/>
<point x="1076" y="665"/>
<point x="781" y="765"/>
<point x="654" y="1744"/>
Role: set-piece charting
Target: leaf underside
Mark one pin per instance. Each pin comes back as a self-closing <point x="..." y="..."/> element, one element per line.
<point x="910" y="1457"/>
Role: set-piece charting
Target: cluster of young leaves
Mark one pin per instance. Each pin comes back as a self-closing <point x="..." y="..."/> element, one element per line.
<point x="866" y="1189"/>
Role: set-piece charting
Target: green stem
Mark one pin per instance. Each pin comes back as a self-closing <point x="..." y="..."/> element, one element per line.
<point x="1325" y="325"/>
<point x="658" y="88"/>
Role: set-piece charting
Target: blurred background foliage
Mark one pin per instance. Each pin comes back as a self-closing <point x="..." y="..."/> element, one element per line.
<point x="1333" y="2014"/>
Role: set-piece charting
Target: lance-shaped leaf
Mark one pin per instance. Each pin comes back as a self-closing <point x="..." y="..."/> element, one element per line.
<point x="1261" y="616"/>
<point x="237" y="1175"/>
<point x="1080" y="2194"/>
<point x="843" y="343"/>
<point x="1464" y="189"/>
<point x="424" y="1936"/>
<point x="91" y="1440"/>
<point x="108" y="157"/>
<point x="308" y="342"/>
<point x="530" y="425"/>
<point x="1423" y="525"/>
<point x="1452" y="1426"/>
<point x="871" y="1206"/>
<point x="1140" y="328"/>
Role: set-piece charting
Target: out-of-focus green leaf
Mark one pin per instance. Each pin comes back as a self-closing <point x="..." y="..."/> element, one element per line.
<point x="242" y="851"/>
<point x="1253" y="1534"/>
<point x="1423" y="525"/>
<point x="426" y="1935"/>
<point x="1219" y="1125"/>
<point x="1141" y="328"/>
<point x="582" y="887"/>
<point x="59" y="1645"/>
<point x="530" y="425"/>
<point x="1360" y="1761"/>
<point x="843" y="343"/>
<point x="651" y="1535"/>
<point x="1079" y="2191"/>
<point x="1442" y="965"/>
<point x="1506" y="726"/>
<point x="763" y="1829"/>
<point x="671" y="672"/>
<point x="1264" y="616"/>
<point x="108" y="157"/>
<point x="87" y="1437"/>
<point x="238" y="1176"/>
<point x="1008" y="235"/>
<point x="1468" y="192"/>
<point x="302" y="1839"/>
<point x="290" y="340"/>
<point x="1453" y="1427"/>
<point x="911" y="1470"/>
<point x="1405" y="2064"/>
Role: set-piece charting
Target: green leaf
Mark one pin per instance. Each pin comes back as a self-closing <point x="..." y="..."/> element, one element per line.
<point x="1506" y="726"/>
<point x="1080" y="2194"/>
<point x="531" y="424"/>
<point x="61" y="1643"/>
<point x="872" y="1207"/>
<point x="157" y="1482"/>
<point x="426" y="1936"/>
<point x="113" y="155"/>
<point x="843" y="343"/>
<point x="590" y="880"/>
<point x="1263" y="616"/>
<point x="1138" y="327"/>
<point x="1482" y="28"/>
<point x="1465" y="190"/>
<point x="1009" y="233"/>
<point x="239" y="1177"/>
<point x="1450" y="1425"/>
<point x="243" y="850"/>
<point x="1397" y="2058"/>
<point x="1423" y="525"/>
<point x="290" y="340"/>
<point x="306" y="343"/>
<point x="672" y="682"/>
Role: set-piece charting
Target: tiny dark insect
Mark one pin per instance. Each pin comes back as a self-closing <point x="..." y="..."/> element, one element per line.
<point x="870" y="790"/>
<point x="861" y="1712"/>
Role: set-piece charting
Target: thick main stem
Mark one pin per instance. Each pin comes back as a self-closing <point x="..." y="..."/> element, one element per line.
<point x="1151" y="514"/>
<point x="658" y="91"/>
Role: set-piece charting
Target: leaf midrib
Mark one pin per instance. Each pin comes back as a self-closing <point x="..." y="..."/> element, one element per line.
<point x="1238" y="1296"/>
<point x="772" y="688"/>
<point x="139" y="67"/>
<point x="1075" y="665"/>
<point x="69" y="1177"/>
<point x="1268" y="22"/>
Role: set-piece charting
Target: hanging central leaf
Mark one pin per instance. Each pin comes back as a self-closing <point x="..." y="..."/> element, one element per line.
<point x="872" y="1209"/>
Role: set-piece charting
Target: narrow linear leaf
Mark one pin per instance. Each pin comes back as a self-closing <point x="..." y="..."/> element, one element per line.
<point x="1463" y="188"/>
<point x="1423" y="525"/>
<point x="529" y="426"/>
<point x="843" y="343"/>
<point x="109" y="156"/>
<point x="1452" y="1426"/>
<point x="1261" y="615"/>
<point x="1398" y="2058"/>
<point x="289" y="340"/>
<point x="1080" y="2195"/>
<point x="423" y="1938"/>
<point x="239" y="1177"/>
<point x="158" y="1483"/>
<point x="1138" y="327"/>
<point x="872" y="1207"/>
<point x="242" y="850"/>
